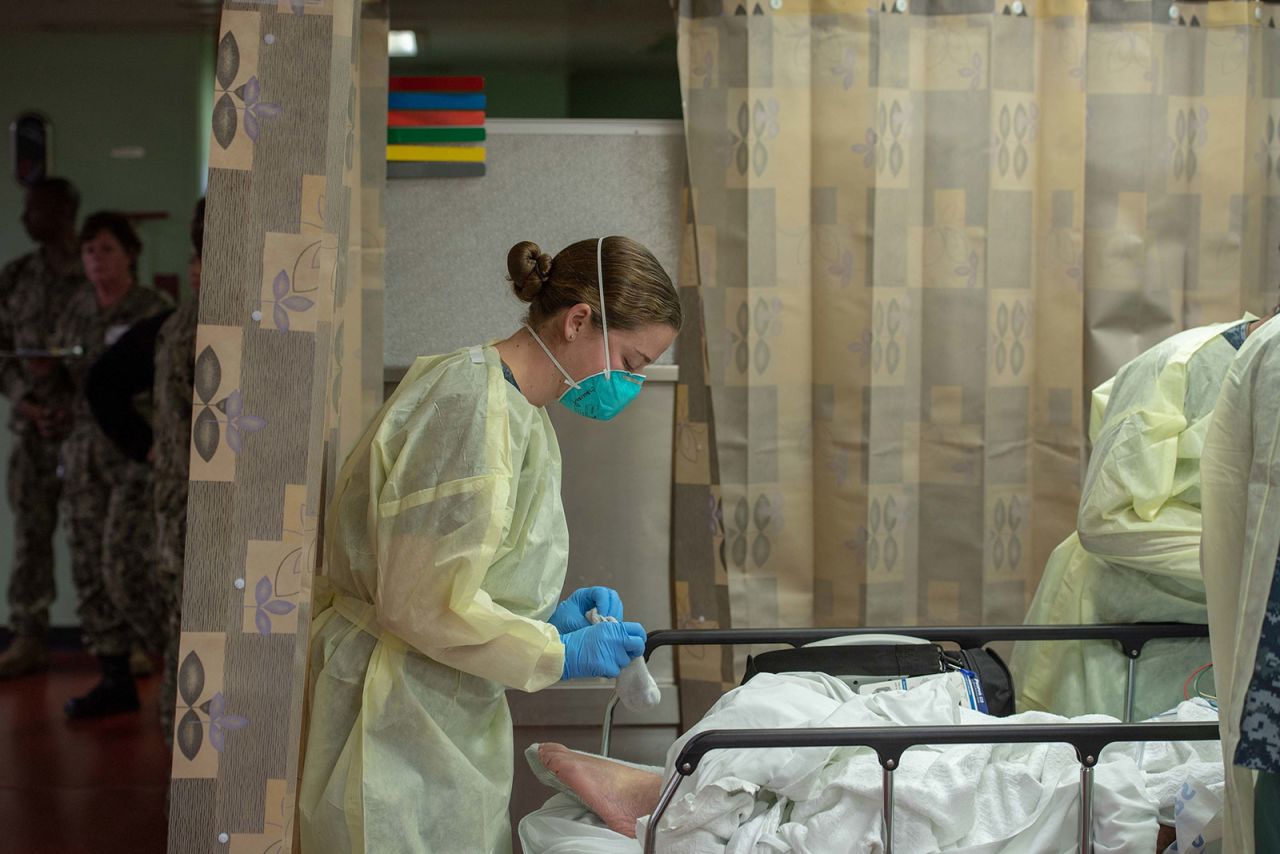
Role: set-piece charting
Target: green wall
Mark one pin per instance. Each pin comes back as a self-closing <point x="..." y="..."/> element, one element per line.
<point x="103" y="92"/>
<point x="563" y="91"/>
<point x="625" y="95"/>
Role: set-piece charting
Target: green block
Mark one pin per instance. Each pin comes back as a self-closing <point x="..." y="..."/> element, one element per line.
<point x="410" y="136"/>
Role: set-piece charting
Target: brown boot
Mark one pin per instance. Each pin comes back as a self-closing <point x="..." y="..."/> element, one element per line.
<point x="140" y="663"/>
<point x="25" y="655"/>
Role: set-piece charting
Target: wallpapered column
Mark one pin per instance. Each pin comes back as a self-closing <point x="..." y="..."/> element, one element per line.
<point x="288" y="370"/>
<point x="919" y="232"/>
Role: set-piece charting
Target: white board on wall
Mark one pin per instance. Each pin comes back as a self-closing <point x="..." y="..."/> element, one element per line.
<point x="552" y="182"/>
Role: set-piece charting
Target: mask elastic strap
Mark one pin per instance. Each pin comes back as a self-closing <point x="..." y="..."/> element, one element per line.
<point x="568" y="379"/>
<point x="604" y="320"/>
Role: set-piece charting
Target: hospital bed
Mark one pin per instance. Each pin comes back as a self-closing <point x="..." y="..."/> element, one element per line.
<point x="889" y="743"/>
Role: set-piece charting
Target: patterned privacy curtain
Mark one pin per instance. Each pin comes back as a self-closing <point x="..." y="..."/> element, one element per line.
<point x="288" y="371"/>
<point x="918" y="232"/>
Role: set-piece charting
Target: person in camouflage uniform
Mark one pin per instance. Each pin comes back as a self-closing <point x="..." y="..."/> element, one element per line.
<point x="171" y="457"/>
<point x="32" y="290"/>
<point x="107" y="496"/>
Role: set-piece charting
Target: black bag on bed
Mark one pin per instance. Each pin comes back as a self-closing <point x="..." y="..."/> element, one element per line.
<point x="877" y="662"/>
<point x="992" y="673"/>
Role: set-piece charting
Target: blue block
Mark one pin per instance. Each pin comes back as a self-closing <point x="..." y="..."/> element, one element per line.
<point x="432" y="101"/>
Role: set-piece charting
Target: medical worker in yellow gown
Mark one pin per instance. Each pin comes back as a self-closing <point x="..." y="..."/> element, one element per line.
<point x="1241" y="476"/>
<point x="1135" y="556"/>
<point x="446" y="550"/>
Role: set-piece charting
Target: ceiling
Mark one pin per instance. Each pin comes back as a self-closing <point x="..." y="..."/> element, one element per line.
<point x="576" y="31"/>
<point x="572" y="31"/>
<point x="110" y="16"/>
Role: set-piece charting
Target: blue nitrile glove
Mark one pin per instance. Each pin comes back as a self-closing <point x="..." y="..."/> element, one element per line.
<point x="571" y="614"/>
<point x="602" y="649"/>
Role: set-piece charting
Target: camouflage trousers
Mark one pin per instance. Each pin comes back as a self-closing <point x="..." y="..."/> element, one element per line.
<point x="171" y="538"/>
<point x="34" y="488"/>
<point x="172" y="591"/>
<point x="1259" y="746"/>
<point x="108" y="503"/>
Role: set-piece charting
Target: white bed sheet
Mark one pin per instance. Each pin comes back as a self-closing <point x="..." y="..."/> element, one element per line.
<point x="969" y="799"/>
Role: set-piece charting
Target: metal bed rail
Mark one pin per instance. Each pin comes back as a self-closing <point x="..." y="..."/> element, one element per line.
<point x="889" y="743"/>
<point x="1131" y="637"/>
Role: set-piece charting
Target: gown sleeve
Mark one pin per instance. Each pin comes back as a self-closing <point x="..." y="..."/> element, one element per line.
<point x="1131" y="514"/>
<point x="440" y="512"/>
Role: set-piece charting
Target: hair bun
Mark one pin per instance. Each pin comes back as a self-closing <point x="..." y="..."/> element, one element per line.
<point x="528" y="268"/>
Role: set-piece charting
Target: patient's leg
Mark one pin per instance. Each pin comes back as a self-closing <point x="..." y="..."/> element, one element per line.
<point x="617" y="793"/>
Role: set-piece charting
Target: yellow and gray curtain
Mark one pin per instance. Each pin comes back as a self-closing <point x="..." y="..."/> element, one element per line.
<point x="288" y="371"/>
<point x="918" y="231"/>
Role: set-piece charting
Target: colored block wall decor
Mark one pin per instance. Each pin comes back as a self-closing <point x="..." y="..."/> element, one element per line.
<point x="435" y="127"/>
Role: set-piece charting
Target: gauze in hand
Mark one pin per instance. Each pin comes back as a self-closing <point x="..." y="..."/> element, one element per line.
<point x="635" y="685"/>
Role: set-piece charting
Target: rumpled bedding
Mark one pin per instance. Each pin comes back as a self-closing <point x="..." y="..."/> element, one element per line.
<point x="977" y="799"/>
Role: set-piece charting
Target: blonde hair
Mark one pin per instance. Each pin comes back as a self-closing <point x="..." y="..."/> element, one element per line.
<point x="637" y="291"/>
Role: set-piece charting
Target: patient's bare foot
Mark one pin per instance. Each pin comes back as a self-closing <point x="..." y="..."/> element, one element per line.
<point x="615" y="792"/>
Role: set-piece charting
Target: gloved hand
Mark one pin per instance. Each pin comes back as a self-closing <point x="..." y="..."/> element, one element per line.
<point x="571" y="614"/>
<point x="602" y="649"/>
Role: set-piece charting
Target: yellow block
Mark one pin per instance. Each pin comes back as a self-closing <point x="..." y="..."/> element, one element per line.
<point x="436" y="153"/>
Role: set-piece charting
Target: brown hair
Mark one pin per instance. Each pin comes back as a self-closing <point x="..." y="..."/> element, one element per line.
<point x="118" y="226"/>
<point x="637" y="290"/>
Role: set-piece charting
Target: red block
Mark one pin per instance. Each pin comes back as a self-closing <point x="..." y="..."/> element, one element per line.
<point x="434" y="118"/>
<point x="437" y="84"/>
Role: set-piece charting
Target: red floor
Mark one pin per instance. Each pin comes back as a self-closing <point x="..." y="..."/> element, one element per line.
<point x="87" y="787"/>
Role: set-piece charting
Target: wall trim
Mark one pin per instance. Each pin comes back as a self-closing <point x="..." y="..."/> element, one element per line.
<point x="587" y="127"/>
<point x="59" y="637"/>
